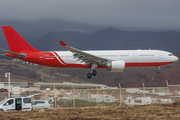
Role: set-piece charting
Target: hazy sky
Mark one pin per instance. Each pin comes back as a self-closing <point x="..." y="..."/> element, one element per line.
<point x="145" y="14"/>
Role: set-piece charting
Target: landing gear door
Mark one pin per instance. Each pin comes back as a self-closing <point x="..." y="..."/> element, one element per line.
<point x="160" y="55"/>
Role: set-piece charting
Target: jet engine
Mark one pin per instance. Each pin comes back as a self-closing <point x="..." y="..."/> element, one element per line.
<point x="116" y="66"/>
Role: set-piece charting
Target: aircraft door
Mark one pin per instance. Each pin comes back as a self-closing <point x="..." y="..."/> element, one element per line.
<point x="160" y="55"/>
<point x="134" y="55"/>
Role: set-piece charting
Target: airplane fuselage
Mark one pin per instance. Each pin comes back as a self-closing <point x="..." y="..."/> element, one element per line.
<point x="132" y="58"/>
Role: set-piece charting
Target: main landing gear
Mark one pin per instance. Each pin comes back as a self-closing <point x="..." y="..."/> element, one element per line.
<point x="93" y="71"/>
<point x="158" y="71"/>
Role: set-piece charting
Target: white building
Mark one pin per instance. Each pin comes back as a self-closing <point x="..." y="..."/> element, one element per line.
<point x="107" y="87"/>
<point x="132" y="90"/>
<point x="163" y="94"/>
<point x="137" y="101"/>
<point x="93" y="97"/>
<point x="159" y="100"/>
<point x="101" y="98"/>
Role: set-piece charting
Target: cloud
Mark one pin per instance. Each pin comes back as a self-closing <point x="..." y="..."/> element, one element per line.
<point x="157" y="14"/>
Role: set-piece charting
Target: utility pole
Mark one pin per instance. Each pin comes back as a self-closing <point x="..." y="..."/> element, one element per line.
<point x="167" y="89"/>
<point x="120" y="94"/>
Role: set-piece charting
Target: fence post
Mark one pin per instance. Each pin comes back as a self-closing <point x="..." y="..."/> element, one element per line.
<point x="73" y="97"/>
<point x="144" y="92"/>
<point x="55" y="97"/>
<point x="30" y="90"/>
<point x="120" y="94"/>
<point x="167" y="89"/>
<point x="97" y="95"/>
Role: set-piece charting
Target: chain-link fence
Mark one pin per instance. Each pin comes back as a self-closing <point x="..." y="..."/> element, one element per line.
<point x="78" y="97"/>
<point x="3" y="95"/>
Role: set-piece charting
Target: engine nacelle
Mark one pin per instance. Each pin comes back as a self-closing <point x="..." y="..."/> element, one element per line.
<point x="117" y="66"/>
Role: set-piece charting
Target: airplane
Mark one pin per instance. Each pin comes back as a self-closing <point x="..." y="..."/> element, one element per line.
<point x="113" y="60"/>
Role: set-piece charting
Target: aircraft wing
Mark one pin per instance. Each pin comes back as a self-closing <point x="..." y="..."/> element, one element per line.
<point x="84" y="56"/>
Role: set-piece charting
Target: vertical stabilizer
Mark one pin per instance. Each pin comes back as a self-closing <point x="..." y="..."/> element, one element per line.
<point x="16" y="42"/>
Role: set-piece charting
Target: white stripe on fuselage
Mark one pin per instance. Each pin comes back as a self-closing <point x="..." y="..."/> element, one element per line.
<point x="129" y="56"/>
<point x="58" y="58"/>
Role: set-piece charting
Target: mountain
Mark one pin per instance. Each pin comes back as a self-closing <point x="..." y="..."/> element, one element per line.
<point x="111" y="38"/>
<point x="45" y="34"/>
<point x="32" y="30"/>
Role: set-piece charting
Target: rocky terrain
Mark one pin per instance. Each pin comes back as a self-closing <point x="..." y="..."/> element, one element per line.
<point x="144" y="112"/>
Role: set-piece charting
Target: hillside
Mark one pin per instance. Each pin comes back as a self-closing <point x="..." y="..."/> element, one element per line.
<point x="33" y="29"/>
<point x="47" y="39"/>
<point x="131" y="77"/>
<point x="111" y="38"/>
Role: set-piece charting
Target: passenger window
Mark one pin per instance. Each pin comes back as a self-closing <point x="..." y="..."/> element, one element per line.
<point x="26" y="100"/>
<point x="18" y="101"/>
<point x="49" y="102"/>
<point x="40" y="102"/>
<point x="33" y="103"/>
<point x="10" y="102"/>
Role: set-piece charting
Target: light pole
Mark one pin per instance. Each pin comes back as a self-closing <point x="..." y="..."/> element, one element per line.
<point x="6" y="75"/>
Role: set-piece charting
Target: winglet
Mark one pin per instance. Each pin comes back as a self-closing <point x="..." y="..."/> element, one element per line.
<point x="62" y="43"/>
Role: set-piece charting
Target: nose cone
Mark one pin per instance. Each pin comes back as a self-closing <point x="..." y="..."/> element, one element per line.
<point x="176" y="58"/>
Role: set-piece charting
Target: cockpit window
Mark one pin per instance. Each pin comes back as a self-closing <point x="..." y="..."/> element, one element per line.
<point x="170" y="54"/>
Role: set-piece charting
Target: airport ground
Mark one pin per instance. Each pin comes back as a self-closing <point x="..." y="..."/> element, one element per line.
<point x="142" y="112"/>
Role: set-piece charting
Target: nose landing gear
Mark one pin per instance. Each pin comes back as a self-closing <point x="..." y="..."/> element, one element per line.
<point x="158" y="71"/>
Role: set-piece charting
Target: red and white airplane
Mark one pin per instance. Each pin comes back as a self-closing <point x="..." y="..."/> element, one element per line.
<point x="114" y="60"/>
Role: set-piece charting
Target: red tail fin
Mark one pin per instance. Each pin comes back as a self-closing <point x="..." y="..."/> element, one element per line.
<point x="16" y="42"/>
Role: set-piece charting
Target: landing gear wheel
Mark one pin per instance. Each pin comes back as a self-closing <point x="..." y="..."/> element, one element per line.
<point x="89" y="75"/>
<point x="94" y="72"/>
<point x="158" y="71"/>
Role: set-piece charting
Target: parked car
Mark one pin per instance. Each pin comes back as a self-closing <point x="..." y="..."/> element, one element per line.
<point x="16" y="103"/>
<point x="42" y="104"/>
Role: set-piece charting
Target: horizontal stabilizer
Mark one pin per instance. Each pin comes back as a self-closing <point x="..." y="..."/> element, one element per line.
<point x="22" y="55"/>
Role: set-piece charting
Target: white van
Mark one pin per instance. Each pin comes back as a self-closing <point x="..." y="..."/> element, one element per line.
<point x="16" y="103"/>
